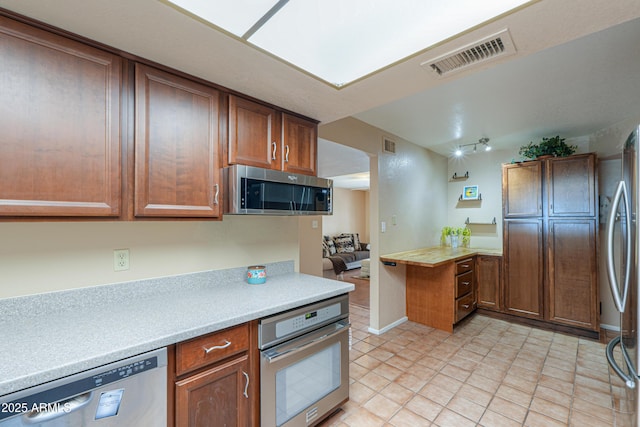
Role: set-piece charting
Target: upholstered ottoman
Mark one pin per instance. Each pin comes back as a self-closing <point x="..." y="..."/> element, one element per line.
<point x="364" y="270"/>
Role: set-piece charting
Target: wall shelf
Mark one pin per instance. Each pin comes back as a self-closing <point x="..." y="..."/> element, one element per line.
<point x="455" y="177"/>
<point x="460" y="199"/>
<point x="494" y="222"/>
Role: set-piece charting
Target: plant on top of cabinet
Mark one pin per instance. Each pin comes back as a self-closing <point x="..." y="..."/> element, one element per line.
<point x="554" y="146"/>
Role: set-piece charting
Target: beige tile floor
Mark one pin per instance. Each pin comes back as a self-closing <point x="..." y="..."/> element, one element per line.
<point x="489" y="372"/>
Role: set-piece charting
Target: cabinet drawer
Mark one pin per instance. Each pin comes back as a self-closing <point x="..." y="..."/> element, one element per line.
<point x="211" y="348"/>
<point x="464" y="306"/>
<point x="464" y="283"/>
<point x="464" y="266"/>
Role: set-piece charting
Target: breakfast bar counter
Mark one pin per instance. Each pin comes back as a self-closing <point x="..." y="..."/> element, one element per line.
<point x="441" y="286"/>
<point x="436" y="256"/>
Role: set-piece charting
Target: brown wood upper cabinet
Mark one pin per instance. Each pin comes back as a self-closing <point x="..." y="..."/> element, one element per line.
<point x="177" y="171"/>
<point x="571" y="186"/>
<point x="60" y="149"/>
<point x="522" y="189"/>
<point x="264" y="137"/>
<point x="254" y="134"/>
<point x="299" y="142"/>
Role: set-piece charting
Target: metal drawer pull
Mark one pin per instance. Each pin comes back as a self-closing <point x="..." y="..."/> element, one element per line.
<point x="217" y="347"/>
<point x="246" y="385"/>
<point x="466" y="283"/>
<point x="465" y="306"/>
<point x="465" y="265"/>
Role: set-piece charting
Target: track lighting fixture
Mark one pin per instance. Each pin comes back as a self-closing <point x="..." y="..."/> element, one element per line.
<point x="482" y="142"/>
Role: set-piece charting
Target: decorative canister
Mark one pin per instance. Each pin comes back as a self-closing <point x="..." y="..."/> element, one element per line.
<point x="256" y="274"/>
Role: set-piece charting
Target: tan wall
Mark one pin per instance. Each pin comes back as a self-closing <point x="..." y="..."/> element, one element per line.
<point x="410" y="185"/>
<point x="350" y="214"/>
<point x="310" y="232"/>
<point x="42" y="257"/>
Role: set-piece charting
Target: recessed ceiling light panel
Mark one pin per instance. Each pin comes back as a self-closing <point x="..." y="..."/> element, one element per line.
<point x="342" y="41"/>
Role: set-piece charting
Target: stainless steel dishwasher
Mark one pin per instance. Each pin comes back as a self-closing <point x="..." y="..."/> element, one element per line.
<point x="130" y="392"/>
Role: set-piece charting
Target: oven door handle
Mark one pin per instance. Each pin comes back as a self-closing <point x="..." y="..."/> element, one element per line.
<point x="291" y="348"/>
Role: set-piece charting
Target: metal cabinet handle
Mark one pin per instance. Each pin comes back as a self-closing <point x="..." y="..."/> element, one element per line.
<point x="619" y="299"/>
<point x="246" y="385"/>
<point x="465" y="265"/>
<point x="466" y="283"/>
<point x="465" y="306"/>
<point x="217" y="347"/>
<point x="286" y="155"/>
<point x="215" y="197"/>
<point x="273" y="150"/>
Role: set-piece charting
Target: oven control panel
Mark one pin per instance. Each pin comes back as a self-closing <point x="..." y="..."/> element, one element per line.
<point x="284" y="326"/>
<point x="306" y="320"/>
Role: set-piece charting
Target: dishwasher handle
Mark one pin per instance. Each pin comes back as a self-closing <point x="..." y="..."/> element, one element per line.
<point x="306" y="341"/>
<point x="58" y="409"/>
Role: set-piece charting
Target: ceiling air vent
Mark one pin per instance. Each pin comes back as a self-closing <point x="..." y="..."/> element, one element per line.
<point x="489" y="48"/>
<point x="388" y="145"/>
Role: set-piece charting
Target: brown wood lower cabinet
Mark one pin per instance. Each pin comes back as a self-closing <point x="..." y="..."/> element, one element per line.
<point x="524" y="267"/>
<point x="573" y="294"/>
<point x="216" y="379"/>
<point x="489" y="279"/>
<point x="215" y="397"/>
<point x="441" y="296"/>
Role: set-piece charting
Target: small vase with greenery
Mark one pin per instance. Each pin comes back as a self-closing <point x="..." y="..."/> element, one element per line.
<point x="450" y="236"/>
<point x="554" y="146"/>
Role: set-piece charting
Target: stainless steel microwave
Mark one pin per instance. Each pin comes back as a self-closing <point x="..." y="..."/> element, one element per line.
<point x="257" y="191"/>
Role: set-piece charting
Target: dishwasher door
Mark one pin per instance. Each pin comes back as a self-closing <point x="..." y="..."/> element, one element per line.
<point x="130" y="392"/>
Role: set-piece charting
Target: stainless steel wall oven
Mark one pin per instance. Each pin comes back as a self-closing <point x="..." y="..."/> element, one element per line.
<point x="304" y="363"/>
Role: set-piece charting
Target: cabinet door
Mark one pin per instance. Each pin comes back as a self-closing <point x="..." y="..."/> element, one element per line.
<point x="254" y="134"/>
<point x="573" y="295"/>
<point x="215" y="397"/>
<point x="524" y="267"/>
<point x="522" y="189"/>
<point x="489" y="274"/>
<point x="300" y="145"/>
<point x="60" y="125"/>
<point x="571" y="186"/>
<point x="176" y="146"/>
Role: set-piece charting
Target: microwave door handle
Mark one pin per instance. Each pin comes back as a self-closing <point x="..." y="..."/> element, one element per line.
<point x="619" y="300"/>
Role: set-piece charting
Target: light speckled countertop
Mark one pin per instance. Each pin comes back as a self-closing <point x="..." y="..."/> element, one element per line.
<point x="52" y="335"/>
<point x="436" y="256"/>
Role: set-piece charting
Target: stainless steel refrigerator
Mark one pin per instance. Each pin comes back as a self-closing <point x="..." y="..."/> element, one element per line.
<point x="622" y="251"/>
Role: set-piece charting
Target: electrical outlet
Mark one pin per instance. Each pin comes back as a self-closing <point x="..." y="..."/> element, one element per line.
<point x="120" y="259"/>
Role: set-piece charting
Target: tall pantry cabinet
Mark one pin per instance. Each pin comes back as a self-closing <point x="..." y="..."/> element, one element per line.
<point x="550" y="241"/>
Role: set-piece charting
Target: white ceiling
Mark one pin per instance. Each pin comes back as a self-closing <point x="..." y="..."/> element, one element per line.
<point x="576" y="70"/>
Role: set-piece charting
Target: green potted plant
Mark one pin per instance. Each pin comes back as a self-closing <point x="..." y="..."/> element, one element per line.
<point x="454" y="235"/>
<point x="554" y="146"/>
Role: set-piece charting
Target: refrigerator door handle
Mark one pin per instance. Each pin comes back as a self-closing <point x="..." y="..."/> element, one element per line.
<point x="629" y="381"/>
<point x="619" y="299"/>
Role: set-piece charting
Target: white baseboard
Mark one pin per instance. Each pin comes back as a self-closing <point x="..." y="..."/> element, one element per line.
<point x="610" y="327"/>
<point x="388" y="327"/>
